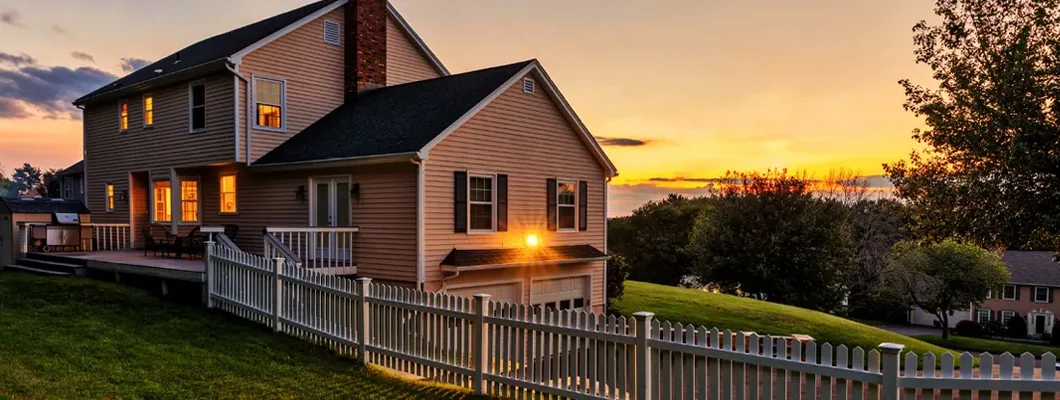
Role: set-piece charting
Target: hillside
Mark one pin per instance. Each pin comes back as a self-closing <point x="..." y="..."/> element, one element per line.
<point x="744" y="314"/>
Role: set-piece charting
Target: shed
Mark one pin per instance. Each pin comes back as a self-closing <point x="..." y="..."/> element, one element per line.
<point x="16" y="211"/>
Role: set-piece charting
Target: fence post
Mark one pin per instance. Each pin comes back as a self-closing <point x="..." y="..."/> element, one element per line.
<point x="891" y="365"/>
<point x="209" y="274"/>
<point x="363" y="319"/>
<point x="643" y="365"/>
<point x="480" y="339"/>
<point x="277" y="266"/>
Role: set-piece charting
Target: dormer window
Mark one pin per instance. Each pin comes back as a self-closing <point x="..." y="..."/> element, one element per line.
<point x="269" y="99"/>
<point x="197" y="107"/>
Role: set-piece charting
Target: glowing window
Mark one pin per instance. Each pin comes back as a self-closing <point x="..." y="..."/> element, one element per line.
<point x="124" y="119"/>
<point x="163" y="212"/>
<point x="268" y="96"/>
<point x="110" y="197"/>
<point x="189" y="201"/>
<point x="228" y="193"/>
<point x="149" y="111"/>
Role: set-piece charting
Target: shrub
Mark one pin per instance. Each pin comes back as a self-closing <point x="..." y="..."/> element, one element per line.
<point x="617" y="272"/>
<point x="970" y="329"/>
<point x="1017" y="327"/>
<point x="994" y="328"/>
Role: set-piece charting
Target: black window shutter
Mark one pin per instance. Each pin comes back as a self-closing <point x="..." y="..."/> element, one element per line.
<point x="550" y="192"/>
<point x="502" y="203"/>
<point x="460" y="202"/>
<point x="583" y="205"/>
<point x="1050" y="295"/>
<point x="1017" y="292"/>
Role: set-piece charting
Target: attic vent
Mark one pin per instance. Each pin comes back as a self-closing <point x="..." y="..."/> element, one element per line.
<point x="332" y="32"/>
<point x="528" y="85"/>
<point x="158" y="71"/>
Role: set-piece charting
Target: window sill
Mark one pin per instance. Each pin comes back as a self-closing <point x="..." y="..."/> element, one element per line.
<point x="1042" y="302"/>
<point x="123" y="131"/>
<point x="1012" y="299"/>
<point x="194" y="131"/>
<point x="270" y="129"/>
<point x="146" y="127"/>
<point x="566" y="231"/>
<point x="480" y="232"/>
<point x="227" y="214"/>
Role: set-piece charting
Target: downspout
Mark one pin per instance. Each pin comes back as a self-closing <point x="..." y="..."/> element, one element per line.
<point x="239" y="75"/>
<point x="607" y="192"/>
<point x="84" y="162"/>
<point x="421" y="164"/>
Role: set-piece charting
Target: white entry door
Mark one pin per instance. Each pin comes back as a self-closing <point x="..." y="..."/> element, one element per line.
<point x="330" y="207"/>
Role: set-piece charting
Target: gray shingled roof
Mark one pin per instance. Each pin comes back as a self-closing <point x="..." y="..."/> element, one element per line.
<point x="44" y="205"/>
<point x="1032" y="268"/>
<point x="77" y="169"/>
<point x="209" y="50"/>
<point x="393" y="119"/>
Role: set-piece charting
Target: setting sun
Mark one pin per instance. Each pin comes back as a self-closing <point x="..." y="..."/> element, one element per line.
<point x="532" y="241"/>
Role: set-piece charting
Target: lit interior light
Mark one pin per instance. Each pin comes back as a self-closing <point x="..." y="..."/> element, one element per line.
<point x="532" y="241"/>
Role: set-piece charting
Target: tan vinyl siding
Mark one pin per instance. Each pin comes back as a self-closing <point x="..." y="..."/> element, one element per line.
<point x="111" y="155"/>
<point x="313" y="75"/>
<point x="385" y="212"/>
<point x="524" y="136"/>
<point x="404" y="61"/>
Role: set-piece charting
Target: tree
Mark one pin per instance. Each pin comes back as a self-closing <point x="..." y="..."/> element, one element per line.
<point x="49" y="183"/>
<point x="991" y="171"/>
<point x="26" y="178"/>
<point x="5" y="183"/>
<point x="767" y="234"/>
<point x="944" y="277"/>
<point x="653" y="238"/>
<point x="875" y="226"/>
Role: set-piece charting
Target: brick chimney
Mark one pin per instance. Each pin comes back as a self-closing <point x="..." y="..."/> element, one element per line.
<point x="365" y="37"/>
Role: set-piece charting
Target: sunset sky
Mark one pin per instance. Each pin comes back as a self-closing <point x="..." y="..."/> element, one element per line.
<point x="706" y="85"/>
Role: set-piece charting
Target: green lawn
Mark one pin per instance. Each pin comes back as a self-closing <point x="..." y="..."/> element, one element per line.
<point x="989" y="345"/>
<point x="71" y="338"/>
<point x="743" y="314"/>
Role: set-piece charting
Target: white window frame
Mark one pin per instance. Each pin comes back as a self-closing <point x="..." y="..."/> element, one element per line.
<point x="492" y="203"/>
<point x="143" y="103"/>
<point x="109" y="197"/>
<point x="561" y="182"/>
<point x="979" y="316"/>
<point x="337" y="23"/>
<point x="192" y="107"/>
<point x="1036" y="288"/>
<point x="529" y="86"/>
<point x="123" y="117"/>
<point x="1005" y="315"/>
<point x="283" y="104"/>
<point x="1014" y="291"/>
<point x="198" y="200"/>
<point x="221" y="193"/>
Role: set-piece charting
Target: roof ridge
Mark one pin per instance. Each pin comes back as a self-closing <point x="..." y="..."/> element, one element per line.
<point x="465" y="73"/>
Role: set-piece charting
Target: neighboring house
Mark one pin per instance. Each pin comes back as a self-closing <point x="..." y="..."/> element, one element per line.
<point x="71" y="182"/>
<point x="1034" y="281"/>
<point x="335" y="115"/>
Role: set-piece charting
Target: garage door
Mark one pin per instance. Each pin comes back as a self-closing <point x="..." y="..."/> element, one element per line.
<point x="561" y="293"/>
<point x="509" y="292"/>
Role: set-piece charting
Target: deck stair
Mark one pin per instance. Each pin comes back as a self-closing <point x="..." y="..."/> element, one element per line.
<point x="51" y="265"/>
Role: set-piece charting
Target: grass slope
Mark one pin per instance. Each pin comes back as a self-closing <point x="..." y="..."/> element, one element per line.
<point x="743" y="314"/>
<point x="75" y="338"/>
<point x="989" y="345"/>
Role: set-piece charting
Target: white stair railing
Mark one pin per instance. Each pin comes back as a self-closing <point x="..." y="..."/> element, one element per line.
<point x="327" y="250"/>
<point x="108" y="237"/>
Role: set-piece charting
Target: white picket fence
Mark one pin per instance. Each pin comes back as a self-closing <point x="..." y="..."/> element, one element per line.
<point x="516" y="351"/>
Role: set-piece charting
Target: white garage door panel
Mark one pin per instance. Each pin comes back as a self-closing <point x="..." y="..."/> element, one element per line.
<point x="558" y="290"/>
<point x="509" y="292"/>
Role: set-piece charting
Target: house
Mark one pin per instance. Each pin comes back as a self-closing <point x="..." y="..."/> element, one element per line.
<point x="1034" y="280"/>
<point x="1033" y="283"/>
<point x="71" y="182"/>
<point x="331" y="134"/>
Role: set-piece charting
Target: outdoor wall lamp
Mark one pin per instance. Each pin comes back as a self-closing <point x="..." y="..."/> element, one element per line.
<point x="355" y="191"/>
<point x="300" y="193"/>
<point x="124" y="195"/>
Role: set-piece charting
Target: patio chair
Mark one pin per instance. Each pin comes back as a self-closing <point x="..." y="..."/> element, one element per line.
<point x="157" y="238"/>
<point x="192" y="244"/>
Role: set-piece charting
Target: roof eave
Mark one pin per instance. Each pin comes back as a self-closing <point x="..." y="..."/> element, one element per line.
<point x="185" y="74"/>
<point x="453" y="268"/>
<point x="338" y="162"/>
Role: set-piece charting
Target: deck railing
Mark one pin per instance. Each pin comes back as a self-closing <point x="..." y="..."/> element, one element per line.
<point x="326" y="250"/>
<point x="516" y="351"/>
<point x="108" y="237"/>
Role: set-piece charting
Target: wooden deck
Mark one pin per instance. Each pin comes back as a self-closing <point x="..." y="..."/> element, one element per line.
<point x="134" y="262"/>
